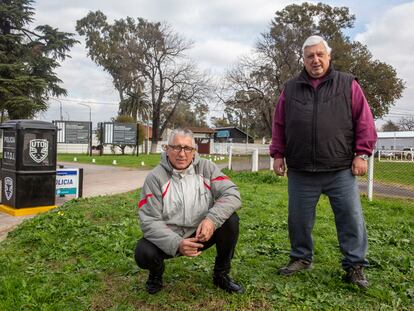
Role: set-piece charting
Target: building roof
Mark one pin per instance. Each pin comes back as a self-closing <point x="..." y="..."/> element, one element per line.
<point x="201" y="130"/>
<point x="230" y="128"/>
<point x="402" y="134"/>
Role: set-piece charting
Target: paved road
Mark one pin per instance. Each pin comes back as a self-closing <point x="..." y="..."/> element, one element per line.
<point x="97" y="180"/>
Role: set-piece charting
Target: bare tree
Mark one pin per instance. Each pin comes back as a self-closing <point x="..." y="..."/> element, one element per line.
<point x="148" y="64"/>
<point x="390" y="126"/>
<point x="406" y="124"/>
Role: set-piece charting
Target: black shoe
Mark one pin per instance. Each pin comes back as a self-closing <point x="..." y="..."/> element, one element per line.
<point x="355" y="275"/>
<point x="225" y="282"/>
<point x="154" y="282"/>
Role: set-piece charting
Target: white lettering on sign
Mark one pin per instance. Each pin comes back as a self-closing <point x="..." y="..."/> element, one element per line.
<point x="9" y="139"/>
<point x="36" y="143"/>
<point x="38" y="149"/>
<point x="9" y="155"/>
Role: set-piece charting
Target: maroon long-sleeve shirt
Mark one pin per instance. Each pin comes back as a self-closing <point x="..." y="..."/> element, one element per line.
<point x="364" y="126"/>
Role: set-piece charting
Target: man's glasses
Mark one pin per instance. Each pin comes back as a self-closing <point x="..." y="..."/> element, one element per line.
<point x="178" y="148"/>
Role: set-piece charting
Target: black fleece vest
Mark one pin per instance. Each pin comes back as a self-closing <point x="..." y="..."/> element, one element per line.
<point x="319" y="129"/>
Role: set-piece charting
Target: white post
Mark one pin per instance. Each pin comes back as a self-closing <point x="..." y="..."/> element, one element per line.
<point x="255" y="160"/>
<point x="230" y="155"/>
<point x="271" y="163"/>
<point x="370" y="177"/>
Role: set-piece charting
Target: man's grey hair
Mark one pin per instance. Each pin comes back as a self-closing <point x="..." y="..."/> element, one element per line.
<point x="313" y="40"/>
<point x="181" y="132"/>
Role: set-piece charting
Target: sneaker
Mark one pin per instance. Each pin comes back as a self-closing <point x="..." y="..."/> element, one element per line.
<point x="295" y="265"/>
<point x="355" y="275"/>
<point x="225" y="282"/>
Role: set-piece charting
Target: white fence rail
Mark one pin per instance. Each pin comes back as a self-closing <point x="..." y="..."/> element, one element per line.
<point x="396" y="155"/>
<point x="253" y="153"/>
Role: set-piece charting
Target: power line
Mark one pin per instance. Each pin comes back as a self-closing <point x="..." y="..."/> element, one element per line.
<point x="84" y="101"/>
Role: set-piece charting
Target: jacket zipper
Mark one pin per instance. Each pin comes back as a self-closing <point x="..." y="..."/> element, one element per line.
<point x="314" y="126"/>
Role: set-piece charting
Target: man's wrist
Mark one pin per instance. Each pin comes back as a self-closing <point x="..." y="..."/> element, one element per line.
<point x="364" y="157"/>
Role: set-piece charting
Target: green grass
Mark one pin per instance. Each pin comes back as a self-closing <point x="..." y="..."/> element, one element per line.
<point x="394" y="172"/>
<point x="80" y="257"/>
<point x="150" y="160"/>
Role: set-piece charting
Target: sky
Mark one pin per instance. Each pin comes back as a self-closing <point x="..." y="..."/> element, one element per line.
<point x="222" y="31"/>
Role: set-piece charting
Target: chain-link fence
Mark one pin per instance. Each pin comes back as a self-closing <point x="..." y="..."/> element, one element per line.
<point x="393" y="174"/>
<point x="389" y="174"/>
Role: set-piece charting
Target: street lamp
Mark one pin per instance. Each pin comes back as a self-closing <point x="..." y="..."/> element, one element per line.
<point x="90" y="126"/>
<point x="60" y="107"/>
<point x="90" y="110"/>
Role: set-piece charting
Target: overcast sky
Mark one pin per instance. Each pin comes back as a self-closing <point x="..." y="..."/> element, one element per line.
<point x="222" y="31"/>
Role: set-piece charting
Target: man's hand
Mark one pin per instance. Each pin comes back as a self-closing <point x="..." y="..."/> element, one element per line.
<point x="279" y="166"/>
<point x="359" y="166"/>
<point x="205" y="230"/>
<point x="190" y="248"/>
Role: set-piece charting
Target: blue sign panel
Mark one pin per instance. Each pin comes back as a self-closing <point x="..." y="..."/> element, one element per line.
<point x="223" y="134"/>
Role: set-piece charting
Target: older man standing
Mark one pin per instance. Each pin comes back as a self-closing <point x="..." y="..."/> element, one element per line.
<point x="323" y="128"/>
<point x="186" y="206"/>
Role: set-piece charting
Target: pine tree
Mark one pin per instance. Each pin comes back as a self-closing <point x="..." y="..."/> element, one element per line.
<point x="28" y="58"/>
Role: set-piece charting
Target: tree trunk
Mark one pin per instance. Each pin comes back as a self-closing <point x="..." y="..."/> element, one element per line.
<point x="154" y="145"/>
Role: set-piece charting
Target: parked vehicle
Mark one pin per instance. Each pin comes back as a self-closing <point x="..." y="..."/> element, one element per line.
<point x="408" y="153"/>
<point x="386" y="153"/>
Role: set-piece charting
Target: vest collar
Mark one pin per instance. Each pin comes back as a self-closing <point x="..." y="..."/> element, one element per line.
<point x="305" y="78"/>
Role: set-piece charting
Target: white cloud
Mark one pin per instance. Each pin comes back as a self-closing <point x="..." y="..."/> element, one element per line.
<point x="218" y="53"/>
<point x="390" y="38"/>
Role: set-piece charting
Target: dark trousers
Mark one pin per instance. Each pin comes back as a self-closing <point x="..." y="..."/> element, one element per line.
<point x="150" y="257"/>
<point x="341" y="187"/>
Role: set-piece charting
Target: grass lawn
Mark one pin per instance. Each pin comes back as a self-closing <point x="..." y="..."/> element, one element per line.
<point x="80" y="257"/>
<point x="150" y="160"/>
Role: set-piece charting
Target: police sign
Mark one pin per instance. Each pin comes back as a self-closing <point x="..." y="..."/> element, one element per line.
<point x="67" y="182"/>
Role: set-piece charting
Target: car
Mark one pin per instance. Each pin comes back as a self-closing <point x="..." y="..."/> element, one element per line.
<point x="386" y="153"/>
<point x="408" y="153"/>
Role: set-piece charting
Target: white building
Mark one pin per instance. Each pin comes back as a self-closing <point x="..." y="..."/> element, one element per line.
<point x="395" y="140"/>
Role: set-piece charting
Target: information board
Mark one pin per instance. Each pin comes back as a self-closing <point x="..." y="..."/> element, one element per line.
<point x="77" y="133"/>
<point x="124" y="133"/>
<point x="73" y="132"/>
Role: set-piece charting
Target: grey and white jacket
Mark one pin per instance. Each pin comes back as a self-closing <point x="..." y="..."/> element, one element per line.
<point x="173" y="203"/>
